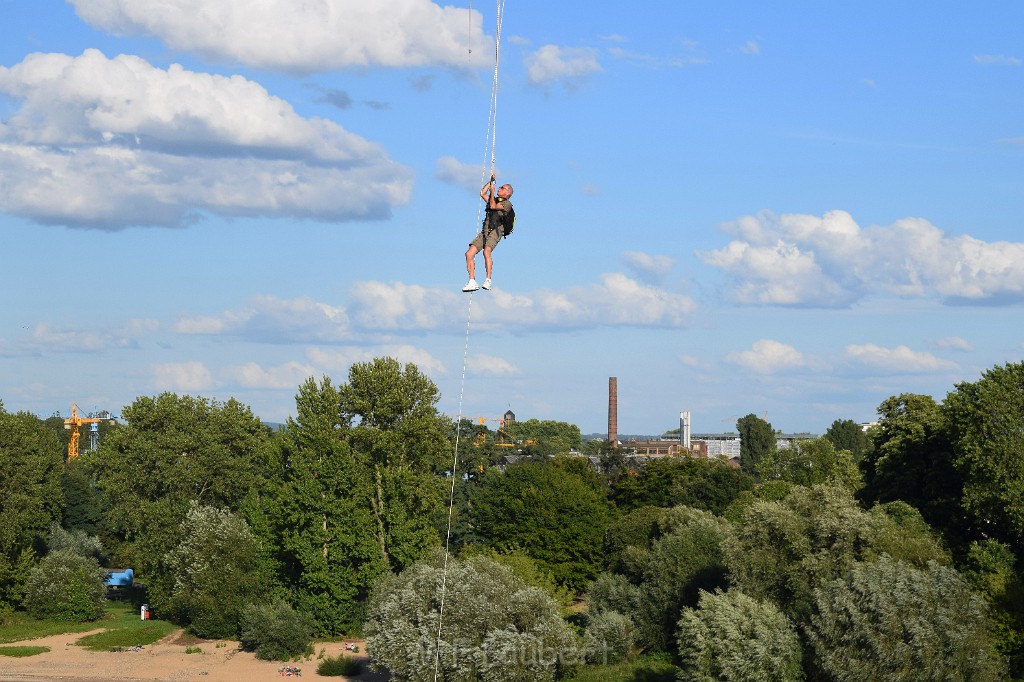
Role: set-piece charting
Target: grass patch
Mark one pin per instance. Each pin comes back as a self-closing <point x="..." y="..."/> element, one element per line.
<point x="22" y="651"/>
<point x="643" y="669"/>
<point x="23" y="626"/>
<point x="145" y="632"/>
<point x="336" y="666"/>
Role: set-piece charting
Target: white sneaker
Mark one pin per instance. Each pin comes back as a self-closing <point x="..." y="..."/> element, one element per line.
<point x="487" y="284"/>
<point x="471" y="285"/>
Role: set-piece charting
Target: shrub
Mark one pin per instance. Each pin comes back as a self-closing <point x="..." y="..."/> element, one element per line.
<point x="731" y="636"/>
<point x="65" y="586"/>
<point x="275" y="632"/>
<point x="339" y="665"/>
<point x="608" y="638"/>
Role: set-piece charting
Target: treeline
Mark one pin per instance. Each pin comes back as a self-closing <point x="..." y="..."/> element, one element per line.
<point x="887" y="555"/>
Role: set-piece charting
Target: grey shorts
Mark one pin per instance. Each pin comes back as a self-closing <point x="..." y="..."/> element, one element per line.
<point x="493" y="237"/>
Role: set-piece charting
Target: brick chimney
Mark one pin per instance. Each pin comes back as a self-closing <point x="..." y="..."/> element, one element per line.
<point x="613" y="411"/>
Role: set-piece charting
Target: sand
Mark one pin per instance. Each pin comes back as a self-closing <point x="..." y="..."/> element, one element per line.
<point x="220" y="661"/>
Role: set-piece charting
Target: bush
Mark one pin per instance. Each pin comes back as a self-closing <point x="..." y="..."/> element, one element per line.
<point x="339" y="665"/>
<point x="608" y="638"/>
<point x="275" y="632"/>
<point x="65" y="586"/>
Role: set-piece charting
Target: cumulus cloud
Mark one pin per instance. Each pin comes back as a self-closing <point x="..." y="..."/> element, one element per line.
<point x="616" y="300"/>
<point x="767" y="356"/>
<point x="451" y="171"/>
<point x="183" y="377"/>
<point x="289" y="375"/>
<point x="275" y="320"/>
<point x="491" y="365"/>
<point x="566" y="65"/>
<point x="108" y="143"/>
<point x="301" y="36"/>
<point x="831" y="262"/>
<point x="647" y="267"/>
<point x="900" y="358"/>
<point x="338" y="360"/>
<point x="955" y="343"/>
<point x="43" y="338"/>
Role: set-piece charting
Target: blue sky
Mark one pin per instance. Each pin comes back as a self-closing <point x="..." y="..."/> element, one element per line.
<point x="795" y="209"/>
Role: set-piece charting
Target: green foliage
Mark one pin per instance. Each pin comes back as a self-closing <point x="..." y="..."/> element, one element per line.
<point x="912" y="461"/>
<point x="76" y="542"/>
<point x="526" y="569"/>
<point x="66" y="586"/>
<point x="218" y="568"/>
<point x="30" y="493"/>
<point x="608" y="637"/>
<point x="555" y="511"/>
<point x="173" y="451"/>
<point x="846" y="434"/>
<point x="757" y="441"/>
<point x="322" y="514"/>
<point x="401" y="444"/>
<point x="731" y="636"/>
<point x="22" y="651"/>
<point x="810" y="462"/>
<point x="275" y="632"/>
<point x="125" y="630"/>
<point x="990" y="567"/>
<point x="553" y="437"/>
<point x="686" y="559"/>
<point x="338" y="666"/>
<point x="783" y="550"/>
<point x="985" y="420"/>
<point x="670" y="482"/>
<point x="495" y="628"/>
<point x="613" y="592"/>
<point x="648" y="668"/>
<point x="83" y="501"/>
<point x="887" y="620"/>
<point x="629" y="533"/>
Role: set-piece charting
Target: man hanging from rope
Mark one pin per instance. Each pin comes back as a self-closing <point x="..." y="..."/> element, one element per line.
<point x="497" y="223"/>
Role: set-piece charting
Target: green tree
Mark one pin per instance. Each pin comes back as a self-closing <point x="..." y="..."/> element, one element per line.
<point x="846" y="434"/>
<point x="66" y="586"/>
<point x="76" y="541"/>
<point x="912" y="461"/>
<point x="757" y="441"/>
<point x="887" y="620"/>
<point x="323" y="514"/>
<point x="400" y="442"/>
<point x="83" y="502"/>
<point x="784" y="550"/>
<point x="990" y="567"/>
<point x="30" y="496"/>
<point x="495" y="627"/>
<point x="219" y="567"/>
<point x="173" y="451"/>
<point x="669" y="482"/>
<point x="684" y="560"/>
<point x="810" y="462"/>
<point x="731" y="636"/>
<point x="275" y="632"/>
<point x="554" y="437"/>
<point x="555" y="511"/>
<point x="985" y="420"/>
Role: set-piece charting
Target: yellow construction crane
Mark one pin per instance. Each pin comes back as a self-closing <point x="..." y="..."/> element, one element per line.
<point x="73" y="422"/>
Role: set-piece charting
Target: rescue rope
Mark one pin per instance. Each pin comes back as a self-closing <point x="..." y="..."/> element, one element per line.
<point x="489" y="142"/>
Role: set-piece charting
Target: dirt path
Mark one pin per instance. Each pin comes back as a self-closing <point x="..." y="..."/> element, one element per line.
<point x="220" y="661"/>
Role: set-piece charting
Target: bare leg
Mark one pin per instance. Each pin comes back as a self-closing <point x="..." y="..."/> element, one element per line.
<point x="488" y="263"/>
<point x="470" y="262"/>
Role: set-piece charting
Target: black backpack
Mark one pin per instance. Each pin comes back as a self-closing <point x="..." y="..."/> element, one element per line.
<point x="508" y="221"/>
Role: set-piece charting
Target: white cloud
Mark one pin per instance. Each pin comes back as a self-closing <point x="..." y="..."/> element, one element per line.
<point x="268" y="318"/>
<point x="491" y="365"/>
<point x="338" y="360"/>
<point x="289" y="375"/>
<point x="182" y="377"/>
<point x="616" y="301"/>
<point x="767" y="356"/>
<point x="900" y="359"/>
<point x="996" y="59"/>
<point x="302" y="36"/>
<point x="955" y="343"/>
<point x="567" y="65"/>
<point x="451" y="171"/>
<point x="109" y="143"/>
<point x="831" y="262"/>
<point x="648" y="267"/>
<point x="750" y="47"/>
<point x="45" y="338"/>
